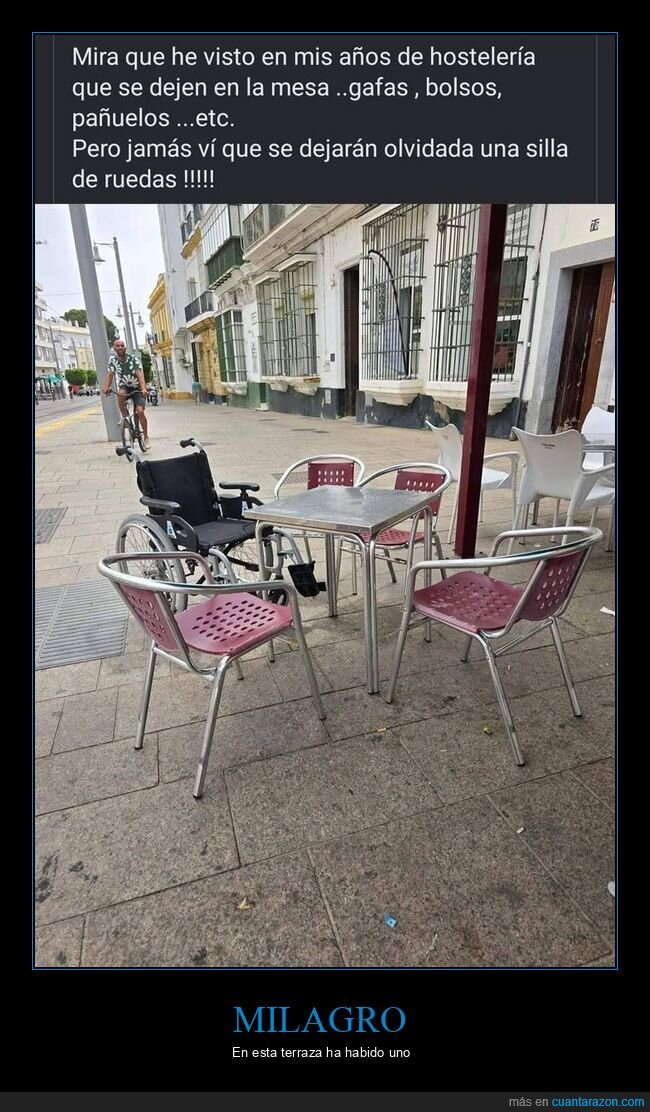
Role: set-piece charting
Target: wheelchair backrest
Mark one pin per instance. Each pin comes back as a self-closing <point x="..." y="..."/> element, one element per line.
<point x="183" y="479"/>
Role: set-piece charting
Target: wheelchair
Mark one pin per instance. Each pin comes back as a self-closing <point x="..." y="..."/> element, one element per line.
<point x="187" y="514"/>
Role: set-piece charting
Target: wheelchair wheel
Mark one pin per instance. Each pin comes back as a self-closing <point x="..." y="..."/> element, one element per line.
<point x="244" y="559"/>
<point x="141" y="534"/>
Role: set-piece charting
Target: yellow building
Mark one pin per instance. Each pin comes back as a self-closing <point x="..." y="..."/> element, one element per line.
<point x="162" y="340"/>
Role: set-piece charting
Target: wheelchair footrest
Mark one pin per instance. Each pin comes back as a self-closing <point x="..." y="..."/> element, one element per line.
<point x="304" y="579"/>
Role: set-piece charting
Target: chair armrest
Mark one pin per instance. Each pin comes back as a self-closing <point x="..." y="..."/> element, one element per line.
<point x="160" y="504"/>
<point x="239" y="486"/>
<point x="514" y="458"/>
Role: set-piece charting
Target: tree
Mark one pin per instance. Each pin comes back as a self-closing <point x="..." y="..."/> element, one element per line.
<point x="145" y="360"/>
<point x="81" y="318"/>
<point x="76" y="377"/>
<point x="91" y="378"/>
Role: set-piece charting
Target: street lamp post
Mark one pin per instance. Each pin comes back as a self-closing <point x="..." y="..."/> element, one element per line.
<point x="94" y="311"/>
<point x="130" y="337"/>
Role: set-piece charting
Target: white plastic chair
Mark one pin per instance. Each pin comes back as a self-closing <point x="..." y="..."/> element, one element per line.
<point x="554" y="470"/>
<point x="450" y="444"/>
<point x="598" y="425"/>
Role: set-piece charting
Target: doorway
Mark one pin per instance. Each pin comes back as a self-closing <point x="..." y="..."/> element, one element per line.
<point x="351" y="331"/>
<point x="589" y="305"/>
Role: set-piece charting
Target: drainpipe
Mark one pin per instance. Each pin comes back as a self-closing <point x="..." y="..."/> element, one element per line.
<point x="531" y="322"/>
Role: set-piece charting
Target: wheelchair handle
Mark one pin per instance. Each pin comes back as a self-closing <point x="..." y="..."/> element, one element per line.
<point x="190" y="442"/>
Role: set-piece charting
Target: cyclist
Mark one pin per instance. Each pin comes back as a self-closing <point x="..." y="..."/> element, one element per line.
<point x="127" y="374"/>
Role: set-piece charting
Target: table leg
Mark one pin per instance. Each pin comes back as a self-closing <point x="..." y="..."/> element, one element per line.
<point x="330" y="573"/>
<point x="264" y="575"/>
<point x="428" y="554"/>
<point x="370" y="615"/>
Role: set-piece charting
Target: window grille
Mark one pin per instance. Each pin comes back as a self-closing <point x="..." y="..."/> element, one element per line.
<point x="286" y="309"/>
<point x="392" y="273"/>
<point x="230" y="342"/>
<point x="454" y="278"/>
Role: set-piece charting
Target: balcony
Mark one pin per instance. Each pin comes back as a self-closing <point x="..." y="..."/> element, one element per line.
<point x="224" y="260"/>
<point x="201" y="306"/>
<point x="263" y="220"/>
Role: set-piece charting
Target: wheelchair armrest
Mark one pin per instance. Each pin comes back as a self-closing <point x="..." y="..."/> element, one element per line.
<point x="239" y="486"/>
<point x="159" y="504"/>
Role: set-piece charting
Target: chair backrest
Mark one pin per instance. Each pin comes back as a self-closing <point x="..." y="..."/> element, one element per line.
<point x="450" y="445"/>
<point x="599" y="425"/>
<point x="416" y="476"/>
<point x="153" y="615"/>
<point x="553" y="464"/>
<point x="551" y="586"/>
<point x="324" y="473"/>
<point x="183" y="479"/>
<point x="327" y="470"/>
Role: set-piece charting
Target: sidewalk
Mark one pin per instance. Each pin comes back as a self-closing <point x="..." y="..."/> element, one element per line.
<point x="310" y="833"/>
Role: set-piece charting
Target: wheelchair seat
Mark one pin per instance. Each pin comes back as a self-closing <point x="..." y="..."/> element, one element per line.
<point x="219" y="534"/>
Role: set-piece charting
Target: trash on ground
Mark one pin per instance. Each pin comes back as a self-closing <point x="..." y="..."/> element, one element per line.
<point x="433" y="943"/>
<point x="521" y="829"/>
<point x="487" y="729"/>
<point x="390" y="921"/>
<point x="245" y="905"/>
<point x="611" y="888"/>
<point x="381" y="730"/>
<point x="606" y="610"/>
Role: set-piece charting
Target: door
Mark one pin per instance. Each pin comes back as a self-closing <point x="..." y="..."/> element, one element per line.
<point x="591" y="295"/>
<point x="351" y="328"/>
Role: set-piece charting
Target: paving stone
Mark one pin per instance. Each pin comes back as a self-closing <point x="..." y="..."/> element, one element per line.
<point x="55" y="577"/>
<point x="521" y="673"/>
<point x="573" y="834"/>
<point x="596" y="580"/>
<point x="182" y="698"/>
<point x="597" y="700"/>
<point x="600" y="778"/>
<point x="608" y="961"/>
<point x="59" y="944"/>
<point x="96" y="543"/>
<point x="72" y="679"/>
<point x="546" y="727"/>
<point x="464" y="889"/>
<point x="200" y="924"/>
<point x="590" y="657"/>
<point x="240" y="738"/>
<point x="86" y="720"/>
<point x="46" y="721"/>
<point x="83" y="775"/>
<point x="289" y="674"/>
<point x="586" y="615"/>
<point x="344" y="664"/>
<point x="288" y="801"/>
<point x="129" y="668"/>
<point x="354" y="711"/>
<point x="117" y="849"/>
<point x="460" y="759"/>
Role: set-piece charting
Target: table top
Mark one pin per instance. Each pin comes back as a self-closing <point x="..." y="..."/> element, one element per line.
<point x="338" y="509"/>
<point x="602" y="445"/>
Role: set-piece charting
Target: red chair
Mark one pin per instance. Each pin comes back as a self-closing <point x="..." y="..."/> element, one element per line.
<point x="486" y="608"/>
<point x="411" y="476"/>
<point x="327" y="470"/>
<point x="232" y="621"/>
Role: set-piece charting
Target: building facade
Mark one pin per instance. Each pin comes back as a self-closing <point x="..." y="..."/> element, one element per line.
<point x="366" y="311"/>
<point x="44" y="354"/>
<point x="73" y="345"/>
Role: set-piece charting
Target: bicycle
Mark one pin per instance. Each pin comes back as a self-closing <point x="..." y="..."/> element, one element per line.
<point x="130" y="424"/>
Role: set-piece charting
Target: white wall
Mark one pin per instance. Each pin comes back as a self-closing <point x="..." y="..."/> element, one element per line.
<point x="339" y="250"/>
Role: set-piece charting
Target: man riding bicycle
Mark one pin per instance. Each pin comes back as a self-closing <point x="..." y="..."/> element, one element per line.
<point x="127" y="374"/>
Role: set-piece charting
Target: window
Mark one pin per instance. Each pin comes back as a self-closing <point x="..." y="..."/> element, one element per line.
<point x="392" y="273"/>
<point x="220" y="226"/>
<point x="191" y="288"/>
<point x="287" y="323"/>
<point x="454" y="275"/>
<point x="230" y="343"/>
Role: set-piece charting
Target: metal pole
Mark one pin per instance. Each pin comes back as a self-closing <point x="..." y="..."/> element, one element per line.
<point x="130" y="340"/>
<point x="94" y="312"/>
<point x="373" y="251"/>
<point x="135" y="334"/>
<point x="489" y="260"/>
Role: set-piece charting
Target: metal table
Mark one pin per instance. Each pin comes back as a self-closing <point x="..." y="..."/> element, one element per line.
<point x="359" y="514"/>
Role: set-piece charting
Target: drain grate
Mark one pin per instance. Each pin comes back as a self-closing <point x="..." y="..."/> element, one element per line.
<point x="46" y="522"/>
<point x="298" y="478"/>
<point x="77" y="622"/>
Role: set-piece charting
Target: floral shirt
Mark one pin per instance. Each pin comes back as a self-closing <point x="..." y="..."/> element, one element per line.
<point x="124" y="370"/>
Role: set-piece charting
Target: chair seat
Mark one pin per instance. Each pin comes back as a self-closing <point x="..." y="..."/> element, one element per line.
<point x="602" y="494"/>
<point x="468" y="600"/>
<point x="392" y="538"/>
<point x="493" y="480"/>
<point x="232" y="623"/>
<point x="226" y="531"/>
